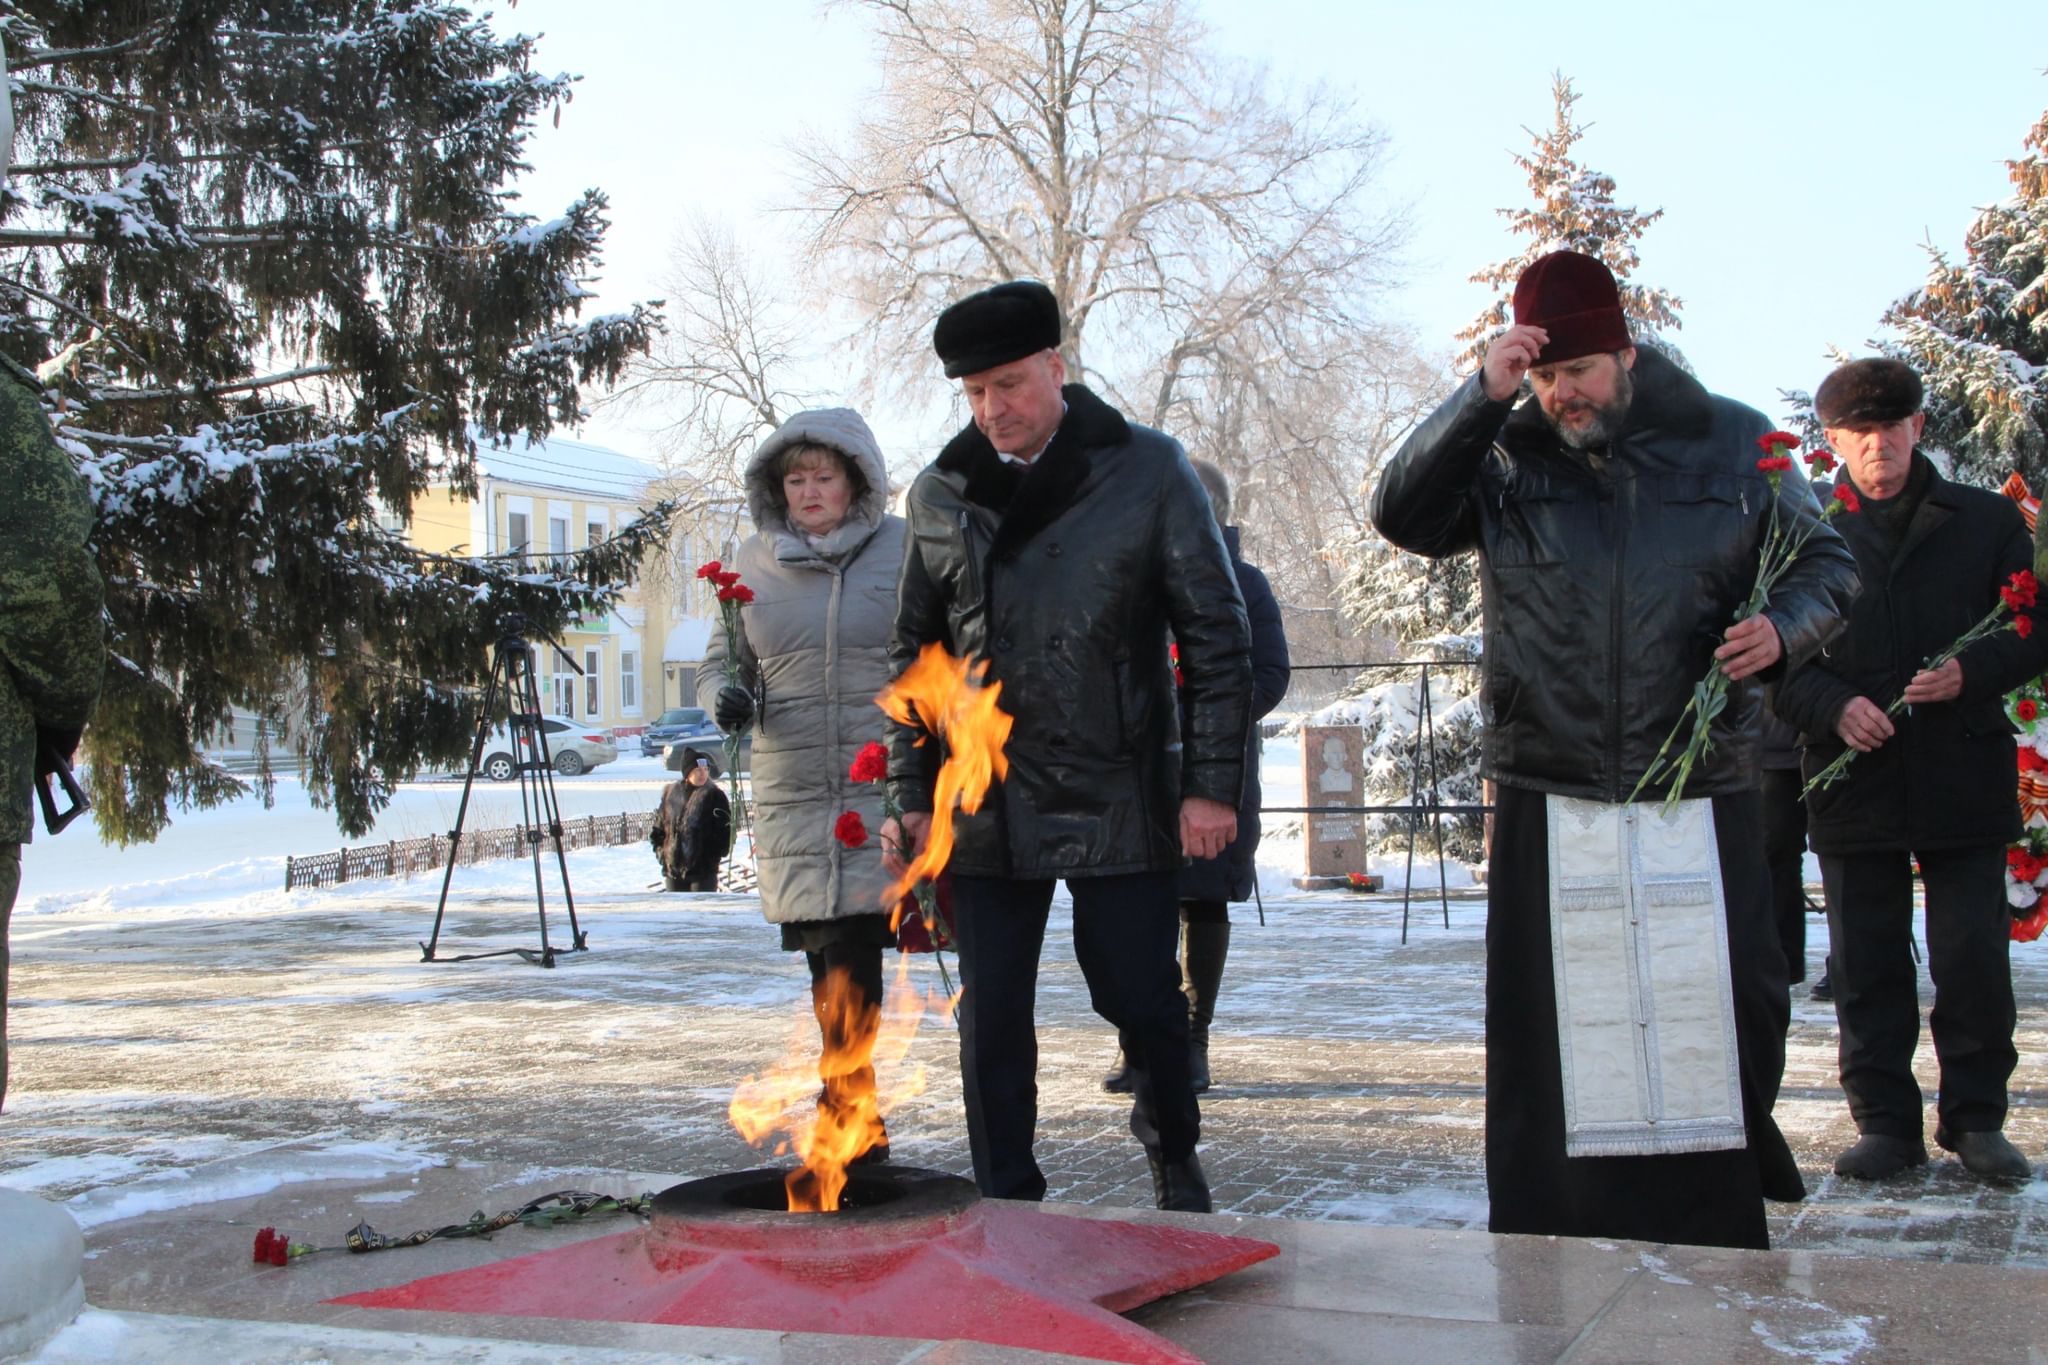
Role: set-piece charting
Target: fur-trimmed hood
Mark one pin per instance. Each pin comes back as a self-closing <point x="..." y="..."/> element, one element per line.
<point x="845" y="431"/>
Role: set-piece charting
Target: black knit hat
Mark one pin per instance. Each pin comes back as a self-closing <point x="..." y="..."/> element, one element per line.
<point x="997" y="326"/>
<point x="681" y="759"/>
<point x="1574" y="299"/>
<point x="1872" y="392"/>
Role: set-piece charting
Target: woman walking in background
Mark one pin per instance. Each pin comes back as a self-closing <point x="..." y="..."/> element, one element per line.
<point x="1208" y="885"/>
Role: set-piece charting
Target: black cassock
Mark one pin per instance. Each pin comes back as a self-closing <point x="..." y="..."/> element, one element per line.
<point x="1698" y="1198"/>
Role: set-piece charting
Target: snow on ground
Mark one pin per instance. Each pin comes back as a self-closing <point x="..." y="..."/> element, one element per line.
<point x="239" y="849"/>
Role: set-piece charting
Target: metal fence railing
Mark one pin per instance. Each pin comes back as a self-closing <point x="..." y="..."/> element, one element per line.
<point x="1425" y="807"/>
<point x="403" y="857"/>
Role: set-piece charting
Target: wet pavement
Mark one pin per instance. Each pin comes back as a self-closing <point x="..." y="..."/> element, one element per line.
<point x="291" y="1032"/>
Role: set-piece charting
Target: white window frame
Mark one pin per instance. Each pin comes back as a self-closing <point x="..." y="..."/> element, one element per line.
<point x="593" y="681"/>
<point x="629" y="678"/>
<point x="516" y="542"/>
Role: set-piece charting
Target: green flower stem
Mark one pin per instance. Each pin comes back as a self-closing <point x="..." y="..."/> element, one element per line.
<point x="1989" y="626"/>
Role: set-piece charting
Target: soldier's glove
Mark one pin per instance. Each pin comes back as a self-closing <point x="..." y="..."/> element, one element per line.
<point x="733" y="709"/>
<point x="54" y="747"/>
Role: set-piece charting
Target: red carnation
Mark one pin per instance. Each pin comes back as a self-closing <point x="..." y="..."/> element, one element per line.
<point x="2023" y="626"/>
<point x="1846" y="496"/>
<point x="736" y="592"/>
<point x="265" y="1236"/>
<point x="850" y="829"/>
<point x="709" y="569"/>
<point x="1820" y="459"/>
<point x="2026" y="708"/>
<point x="1775" y="464"/>
<point x="2013" y="855"/>
<point x="871" y="764"/>
<point x="1771" y="442"/>
<point x="726" y="579"/>
<point x="2028" y="928"/>
<point x="2022" y="587"/>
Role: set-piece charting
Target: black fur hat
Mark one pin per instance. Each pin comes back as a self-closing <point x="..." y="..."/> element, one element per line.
<point x="997" y="326"/>
<point x="1871" y="392"/>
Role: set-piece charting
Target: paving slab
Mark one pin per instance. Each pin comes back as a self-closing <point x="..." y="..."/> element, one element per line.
<point x="292" y="1052"/>
<point x="1336" y="1292"/>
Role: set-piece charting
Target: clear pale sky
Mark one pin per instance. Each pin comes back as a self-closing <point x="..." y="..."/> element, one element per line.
<point x="1803" y="152"/>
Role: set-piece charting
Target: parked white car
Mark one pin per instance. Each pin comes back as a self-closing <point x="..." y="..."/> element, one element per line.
<point x="574" y="749"/>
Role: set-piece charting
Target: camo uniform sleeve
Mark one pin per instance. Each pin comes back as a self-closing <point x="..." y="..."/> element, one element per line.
<point x="52" y="641"/>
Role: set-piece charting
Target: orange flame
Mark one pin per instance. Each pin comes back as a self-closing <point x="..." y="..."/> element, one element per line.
<point x="950" y="701"/>
<point x="862" y="1069"/>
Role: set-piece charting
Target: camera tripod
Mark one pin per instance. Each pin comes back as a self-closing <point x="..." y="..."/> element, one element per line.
<point x="513" y="679"/>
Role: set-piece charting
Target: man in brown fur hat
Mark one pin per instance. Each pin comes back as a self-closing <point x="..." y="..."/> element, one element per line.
<point x="1933" y="782"/>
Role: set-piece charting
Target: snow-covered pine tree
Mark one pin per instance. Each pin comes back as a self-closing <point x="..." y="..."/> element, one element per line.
<point x="1574" y="210"/>
<point x="1978" y="333"/>
<point x="259" y="252"/>
<point x="1424" y="609"/>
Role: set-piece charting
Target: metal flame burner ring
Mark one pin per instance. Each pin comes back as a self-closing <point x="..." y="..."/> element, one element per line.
<point x="881" y="1206"/>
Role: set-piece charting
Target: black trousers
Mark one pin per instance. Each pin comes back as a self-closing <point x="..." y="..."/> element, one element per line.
<point x="1785" y="856"/>
<point x="1877" y="988"/>
<point x="1126" y="929"/>
<point x="851" y="1027"/>
<point x="1700" y="1198"/>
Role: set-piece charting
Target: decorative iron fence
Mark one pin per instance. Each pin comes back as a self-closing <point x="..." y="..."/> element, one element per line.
<point x="403" y="857"/>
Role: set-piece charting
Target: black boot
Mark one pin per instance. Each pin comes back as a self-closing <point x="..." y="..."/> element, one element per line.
<point x="1204" y="947"/>
<point x="1178" y="1185"/>
<point x="1118" y="1079"/>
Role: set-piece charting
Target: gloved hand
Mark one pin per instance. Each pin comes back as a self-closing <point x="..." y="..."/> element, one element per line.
<point x="54" y="746"/>
<point x="733" y="709"/>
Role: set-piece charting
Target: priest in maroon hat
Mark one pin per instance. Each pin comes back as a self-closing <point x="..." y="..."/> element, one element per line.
<point x="1636" y="994"/>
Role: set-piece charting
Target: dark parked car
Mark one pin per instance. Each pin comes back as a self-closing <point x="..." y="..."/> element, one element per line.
<point x="680" y="725"/>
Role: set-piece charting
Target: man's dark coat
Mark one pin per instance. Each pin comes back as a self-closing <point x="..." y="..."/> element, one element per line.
<point x="1231" y="875"/>
<point x="1066" y="576"/>
<point x="1608" y="582"/>
<point x="1945" y="779"/>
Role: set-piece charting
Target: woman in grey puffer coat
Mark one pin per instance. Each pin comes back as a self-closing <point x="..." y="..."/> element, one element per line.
<point x="822" y="563"/>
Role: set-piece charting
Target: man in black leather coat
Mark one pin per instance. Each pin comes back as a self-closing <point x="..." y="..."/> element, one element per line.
<point x="1618" y="518"/>
<point x="1934" y="782"/>
<point x="1061" y="543"/>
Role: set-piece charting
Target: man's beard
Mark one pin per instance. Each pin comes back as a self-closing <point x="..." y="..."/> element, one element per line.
<point x="1605" y="421"/>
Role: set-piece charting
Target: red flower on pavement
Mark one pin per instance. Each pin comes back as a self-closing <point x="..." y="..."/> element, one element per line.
<point x="736" y="592"/>
<point x="2026" y="708"/>
<point x="709" y="569"/>
<point x="1774" y="443"/>
<point x="1820" y="460"/>
<point x="850" y="829"/>
<point x="265" y="1236"/>
<point x="1846" y="496"/>
<point x="871" y="764"/>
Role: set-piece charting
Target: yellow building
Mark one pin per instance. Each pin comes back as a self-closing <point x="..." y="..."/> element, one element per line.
<point x="557" y="496"/>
